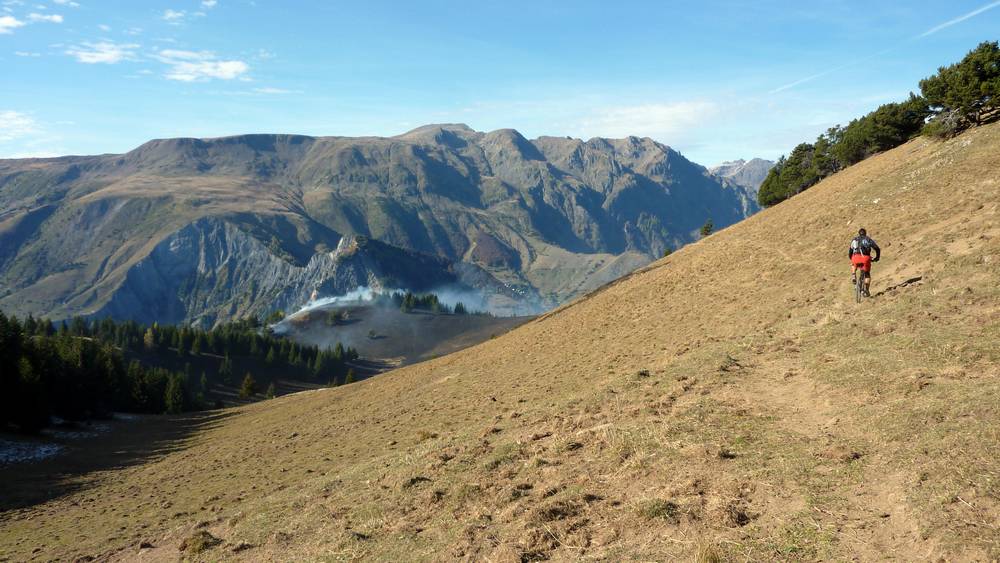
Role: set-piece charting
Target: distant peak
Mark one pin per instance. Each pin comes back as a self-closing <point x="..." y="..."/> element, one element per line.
<point x="437" y="127"/>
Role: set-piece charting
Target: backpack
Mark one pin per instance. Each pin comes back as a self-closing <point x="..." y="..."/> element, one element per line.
<point x="861" y="245"/>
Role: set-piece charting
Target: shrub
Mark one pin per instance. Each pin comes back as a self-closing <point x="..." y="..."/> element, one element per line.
<point x="658" y="509"/>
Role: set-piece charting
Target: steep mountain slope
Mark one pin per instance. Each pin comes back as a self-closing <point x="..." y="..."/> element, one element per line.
<point x="539" y="220"/>
<point x="730" y="400"/>
<point x="748" y="174"/>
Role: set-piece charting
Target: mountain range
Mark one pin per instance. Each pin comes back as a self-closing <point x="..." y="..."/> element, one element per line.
<point x="201" y="230"/>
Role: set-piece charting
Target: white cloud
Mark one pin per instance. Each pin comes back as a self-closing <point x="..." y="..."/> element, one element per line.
<point x="27" y="54"/>
<point x="104" y="27"/>
<point x="69" y="3"/>
<point x="9" y="23"/>
<point x="14" y="125"/>
<point x="193" y="66"/>
<point x="173" y="16"/>
<point x="653" y="120"/>
<point x="133" y="31"/>
<point x="106" y="52"/>
<point x="276" y="91"/>
<point x="51" y="18"/>
<point x="959" y="19"/>
<point x="209" y="3"/>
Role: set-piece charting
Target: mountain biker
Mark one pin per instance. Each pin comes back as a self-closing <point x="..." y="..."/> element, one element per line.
<point x="860" y="255"/>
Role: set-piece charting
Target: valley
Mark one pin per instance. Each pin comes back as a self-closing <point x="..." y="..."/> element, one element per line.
<point x="697" y="408"/>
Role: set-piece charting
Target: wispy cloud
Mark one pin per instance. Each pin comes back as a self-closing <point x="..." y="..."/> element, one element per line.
<point x="208" y="4"/>
<point x="930" y="31"/>
<point x="194" y="66"/>
<point x="275" y="91"/>
<point x="173" y="16"/>
<point x="9" y="23"/>
<point x="660" y="120"/>
<point x="959" y="19"/>
<point x="812" y="77"/>
<point x="69" y="3"/>
<point x="106" y="52"/>
<point x="15" y="125"/>
<point x="27" y="54"/>
<point x="50" y="18"/>
<point x="104" y="27"/>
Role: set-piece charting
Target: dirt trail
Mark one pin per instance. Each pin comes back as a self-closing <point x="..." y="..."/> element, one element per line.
<point x="728" y="401"/>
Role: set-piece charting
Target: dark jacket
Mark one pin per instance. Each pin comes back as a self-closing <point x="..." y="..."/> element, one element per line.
<point x="863" y="245"/>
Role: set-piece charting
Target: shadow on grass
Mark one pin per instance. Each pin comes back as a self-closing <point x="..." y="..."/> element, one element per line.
<point x="82" y="460"/>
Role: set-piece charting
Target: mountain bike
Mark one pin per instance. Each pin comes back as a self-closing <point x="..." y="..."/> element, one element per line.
<point x="859" y="285"/>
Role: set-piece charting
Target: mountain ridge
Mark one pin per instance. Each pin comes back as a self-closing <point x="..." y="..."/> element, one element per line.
<point x="700" y="407"/>
<point x="545" y="219"/>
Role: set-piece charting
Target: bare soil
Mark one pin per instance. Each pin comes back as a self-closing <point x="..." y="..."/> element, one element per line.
<point x="729" y="402"/>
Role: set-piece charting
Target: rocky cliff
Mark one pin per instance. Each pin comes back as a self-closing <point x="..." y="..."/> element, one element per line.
<point x="211" y="228"/>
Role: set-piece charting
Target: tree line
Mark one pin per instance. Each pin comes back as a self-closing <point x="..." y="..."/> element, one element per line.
<point x="90" y="368"/>
<point x="959" y="96"/>
<point x="408" y="302"/>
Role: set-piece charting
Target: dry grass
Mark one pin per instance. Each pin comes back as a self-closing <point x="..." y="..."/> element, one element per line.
<point x="764" y="381"/>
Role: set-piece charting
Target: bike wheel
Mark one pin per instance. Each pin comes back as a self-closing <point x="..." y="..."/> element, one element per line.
<point x="859" y="287"/>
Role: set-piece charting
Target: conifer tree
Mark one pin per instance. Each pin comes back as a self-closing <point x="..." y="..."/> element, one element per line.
<point x="249" y="386"/>
<point x="174" y="397"/>
<point x="706" y="229"/>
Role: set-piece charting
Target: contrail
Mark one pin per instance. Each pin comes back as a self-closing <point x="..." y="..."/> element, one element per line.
<point x="930" y="31"/>
<point x="959" y="19"/>
<point x="834" y="69"/>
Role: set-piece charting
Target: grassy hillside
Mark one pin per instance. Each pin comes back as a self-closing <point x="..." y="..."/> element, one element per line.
<point x="730" y="400"/>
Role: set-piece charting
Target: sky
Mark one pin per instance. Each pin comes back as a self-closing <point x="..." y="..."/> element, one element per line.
<point x="715" y="80"/>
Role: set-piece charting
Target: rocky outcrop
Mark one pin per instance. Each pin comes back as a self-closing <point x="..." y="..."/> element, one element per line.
<point x="211" y="269"/>
<point x="183" y="229"/>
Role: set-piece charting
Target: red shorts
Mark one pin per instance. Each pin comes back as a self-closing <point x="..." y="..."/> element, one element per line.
<point x="863" y="262"/>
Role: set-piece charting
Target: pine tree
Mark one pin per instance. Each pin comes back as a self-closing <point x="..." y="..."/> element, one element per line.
<point x="270" y="391"/>
<point x="270" y="359"/>
<point x="249" y="386"/>
<point x="320" y="366"/>
<point x="226" y="370"/>
<point x="149" y="339"/>
<point x="204" y="382"/>
<point x="706" y="229"/>
<point x="174" y="397"/>
<point x="350" y="376"/>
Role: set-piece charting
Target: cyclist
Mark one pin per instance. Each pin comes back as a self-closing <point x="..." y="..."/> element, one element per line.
<point x="860" y="254"/>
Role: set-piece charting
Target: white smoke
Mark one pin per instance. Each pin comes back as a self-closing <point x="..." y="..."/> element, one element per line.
<point x="362" y="294"/>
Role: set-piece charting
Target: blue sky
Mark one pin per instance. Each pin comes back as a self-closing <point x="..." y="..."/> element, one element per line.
<point x="715" y="80"/>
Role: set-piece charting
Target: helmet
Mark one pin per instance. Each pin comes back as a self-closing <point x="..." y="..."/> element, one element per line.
<point x="862" y="232"/>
